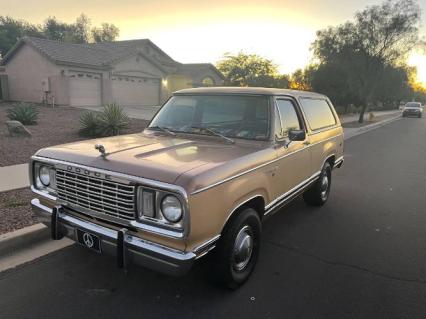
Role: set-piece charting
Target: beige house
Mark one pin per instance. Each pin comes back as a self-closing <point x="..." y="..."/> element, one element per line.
<point x="129" y="73"/>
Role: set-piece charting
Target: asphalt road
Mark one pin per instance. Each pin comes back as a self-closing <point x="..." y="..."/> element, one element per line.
<point x="362" y="255"/>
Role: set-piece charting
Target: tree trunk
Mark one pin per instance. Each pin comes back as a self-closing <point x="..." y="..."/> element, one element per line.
<point x="361" y="114"/>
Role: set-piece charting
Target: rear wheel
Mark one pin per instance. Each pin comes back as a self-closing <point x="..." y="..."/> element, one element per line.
<point x="317" y="195"/>
<point x="235" y="256"/>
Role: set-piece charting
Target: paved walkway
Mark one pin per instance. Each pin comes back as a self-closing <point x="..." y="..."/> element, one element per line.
<point x="14" y="177"/>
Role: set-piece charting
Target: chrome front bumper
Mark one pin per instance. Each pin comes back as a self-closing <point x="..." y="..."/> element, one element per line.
<point x="135" y="249"/>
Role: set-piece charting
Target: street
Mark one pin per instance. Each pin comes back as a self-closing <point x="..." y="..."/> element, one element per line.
<point x="362" y="255"/>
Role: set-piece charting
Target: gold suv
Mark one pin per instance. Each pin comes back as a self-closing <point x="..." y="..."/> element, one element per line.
<point x="211" y="165"/>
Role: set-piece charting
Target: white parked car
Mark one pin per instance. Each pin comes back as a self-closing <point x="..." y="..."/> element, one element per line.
<point x="413" y="109"/>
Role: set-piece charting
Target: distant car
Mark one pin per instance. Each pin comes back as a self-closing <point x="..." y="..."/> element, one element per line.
<point x="412" y="109"/>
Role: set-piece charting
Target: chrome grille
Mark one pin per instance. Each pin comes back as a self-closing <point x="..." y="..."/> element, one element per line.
<point x="100" y="195"/>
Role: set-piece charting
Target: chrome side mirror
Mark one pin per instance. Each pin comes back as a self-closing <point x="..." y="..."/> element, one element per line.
<point x="295" y="135"/>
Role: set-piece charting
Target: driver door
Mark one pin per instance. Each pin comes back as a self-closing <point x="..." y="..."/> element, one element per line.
<point x="294" y="158"/>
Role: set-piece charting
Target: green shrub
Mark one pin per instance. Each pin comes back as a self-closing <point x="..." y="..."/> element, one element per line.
<point x="89" y="124"/>
<point x="25" y="113"/>
<point x="111" y="121"/>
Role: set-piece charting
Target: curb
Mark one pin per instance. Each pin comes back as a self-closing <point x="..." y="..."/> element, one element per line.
<point x="371" y="127"/>
<point x="22" y="238"/>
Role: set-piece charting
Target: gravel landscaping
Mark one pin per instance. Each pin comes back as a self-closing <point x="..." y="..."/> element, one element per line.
<point x="15" y="210"/>
<point x="55" y="126"/>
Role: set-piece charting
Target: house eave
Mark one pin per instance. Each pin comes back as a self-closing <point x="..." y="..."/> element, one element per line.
<point x="83" y="65"/>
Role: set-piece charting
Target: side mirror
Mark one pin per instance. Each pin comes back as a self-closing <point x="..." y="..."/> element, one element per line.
<point x="296" y="135"/>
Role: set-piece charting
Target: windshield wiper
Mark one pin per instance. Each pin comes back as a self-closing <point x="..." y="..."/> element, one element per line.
<point x="212" y="132"/>
<point x="163" y="129"/>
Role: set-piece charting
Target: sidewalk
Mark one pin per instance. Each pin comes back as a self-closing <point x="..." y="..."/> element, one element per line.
<point x="14" y="177"/>
<point x="347" y="118"/>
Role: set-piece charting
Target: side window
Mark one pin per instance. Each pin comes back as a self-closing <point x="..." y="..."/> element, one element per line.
<point x="318" y="113"/>
<point x="289" y="119"/>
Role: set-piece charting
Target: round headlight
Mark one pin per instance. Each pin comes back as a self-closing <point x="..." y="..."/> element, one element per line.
<point x="171" y="208"/>
<point x="44" y="175"/>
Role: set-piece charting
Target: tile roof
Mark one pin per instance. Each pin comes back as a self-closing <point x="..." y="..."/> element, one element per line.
<point x="103" y="55"/>
<point x="91" y="54"/>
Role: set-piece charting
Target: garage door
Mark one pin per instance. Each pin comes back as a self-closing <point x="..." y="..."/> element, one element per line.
<point x="85" y="89"/>
<point x="135" y="91"/>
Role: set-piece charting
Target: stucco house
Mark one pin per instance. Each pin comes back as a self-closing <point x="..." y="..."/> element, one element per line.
<point x="129" y="73"/>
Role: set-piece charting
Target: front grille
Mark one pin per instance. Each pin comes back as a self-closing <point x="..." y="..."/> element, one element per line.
<point x="100" y="195"/>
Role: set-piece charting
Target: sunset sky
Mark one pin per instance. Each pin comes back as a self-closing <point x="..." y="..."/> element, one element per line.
<point x="201" y="31"/>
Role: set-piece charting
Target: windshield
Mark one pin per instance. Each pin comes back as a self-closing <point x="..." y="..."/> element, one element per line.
<point x="415" y="104"/>
<point x="232" y="116"/>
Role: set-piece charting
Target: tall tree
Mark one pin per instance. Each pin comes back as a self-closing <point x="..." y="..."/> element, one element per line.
<point x="380" y="36"/>
<point x="106" y="33"/>
<point x="80" y="30"/>
<point x="12" y="29"/>
<point x="250" y="70"/>
<point x="56" y="30"/>
<point x="301" y="79"/>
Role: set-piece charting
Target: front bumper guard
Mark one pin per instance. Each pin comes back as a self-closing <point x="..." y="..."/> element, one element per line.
<point x="126" y="248"/>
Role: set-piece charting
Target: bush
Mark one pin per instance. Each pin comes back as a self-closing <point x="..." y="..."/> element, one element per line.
<point x="89" y="124"/>
<point x="111" y="121"/>
<point x="25" y="113"/>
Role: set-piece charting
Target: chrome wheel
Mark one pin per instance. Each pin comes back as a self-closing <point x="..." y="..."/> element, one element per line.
<point x="324" y="187"/>
<point x="243" y="248"/>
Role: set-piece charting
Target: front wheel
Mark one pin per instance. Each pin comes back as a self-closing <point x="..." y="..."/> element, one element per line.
<point x="235" y="256"/>
<point x="317" y="195"/>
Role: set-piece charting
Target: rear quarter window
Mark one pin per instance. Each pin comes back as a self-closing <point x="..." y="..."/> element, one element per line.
<point x="318" y="113"/>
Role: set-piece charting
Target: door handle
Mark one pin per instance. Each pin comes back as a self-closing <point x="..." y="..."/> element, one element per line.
<point x="306" y="143"/>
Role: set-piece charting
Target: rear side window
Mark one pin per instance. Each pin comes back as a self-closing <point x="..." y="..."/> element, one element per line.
<point x="288" y="116"/>
<point x="318" y="113"/>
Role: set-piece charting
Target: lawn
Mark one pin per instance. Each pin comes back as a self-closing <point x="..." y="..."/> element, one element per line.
<point x="55" y="126"/>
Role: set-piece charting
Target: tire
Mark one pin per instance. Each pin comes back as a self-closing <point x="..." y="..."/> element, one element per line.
<point x="319" y="192"/>
<point x="227" y="268"/>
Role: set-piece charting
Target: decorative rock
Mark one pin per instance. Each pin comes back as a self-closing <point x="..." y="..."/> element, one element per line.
<point x="17" y="129"/>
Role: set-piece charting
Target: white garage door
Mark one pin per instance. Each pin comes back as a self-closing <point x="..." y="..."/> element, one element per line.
<point x="135" y="91"/>
<point x="85" y="89"/>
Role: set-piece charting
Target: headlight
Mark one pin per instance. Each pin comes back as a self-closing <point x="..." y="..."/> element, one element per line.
<point x="44" y="177"/>
<point x="171" y="208"/>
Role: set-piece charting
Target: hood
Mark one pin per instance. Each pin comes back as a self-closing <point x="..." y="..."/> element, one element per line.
<point x="412" y="108"/>
<point x="152" y="156"/>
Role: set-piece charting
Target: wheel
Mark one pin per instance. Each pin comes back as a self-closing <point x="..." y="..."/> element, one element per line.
<point x="235" y="255"/>
<point x="317" y="195"/>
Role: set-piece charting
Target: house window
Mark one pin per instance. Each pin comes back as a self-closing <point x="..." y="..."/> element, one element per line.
<point x="208" y="81"/>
